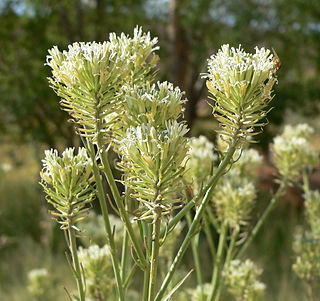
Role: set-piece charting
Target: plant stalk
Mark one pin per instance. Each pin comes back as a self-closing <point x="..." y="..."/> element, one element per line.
<point x="120" y="205"/>
<point x="197" y="218"/>
<point x="154" y="255"/>
<point x="218" y="261"/>
<point x="263" y="218"/>
<point x="76" y="263"/>
<point x="195" y="253"/>
<point x="104" y="211"/>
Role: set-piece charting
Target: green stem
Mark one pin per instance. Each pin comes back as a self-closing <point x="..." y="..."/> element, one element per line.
<point x="76" y="263"/>
<point x="146" y="284"/>
<point x="233" y="240"/>
<point x="229" y="257"/>
<point x="218" y="261"/>
<point x="195" y="253"/>
<point x="154" y="255"/>
<point x="120" y="205"/>
<point x="104" y="211"/>
<point x="197" y="218"/>
<point x="126" y="282"/>
<point x="262" y="219"/>
<point x="306" y="185"/>
<point x="124" y="253"/>
<point x="210" y="240"/>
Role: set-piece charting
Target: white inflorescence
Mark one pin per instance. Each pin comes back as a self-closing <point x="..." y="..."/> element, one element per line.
<point x="233" y="66"/>
<point x="292" y="151"/>
<point x="93" y="253"/>
<point x="76" y="164"/>
<point x="241" y="279"/>
<point x="71" y="66"/>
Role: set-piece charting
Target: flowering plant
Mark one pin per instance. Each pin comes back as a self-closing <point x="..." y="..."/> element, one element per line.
<point x="110" y="92"/>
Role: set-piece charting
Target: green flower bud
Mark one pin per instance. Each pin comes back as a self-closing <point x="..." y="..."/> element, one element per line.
<point x="234" y="198"/>
<point x="152" y="160"/>
<point x="38" y="283"/>
<point x="153" y="104"/>
<point x="240" y="84"/>
<point x="98" y="273"/>
<point x="67" y="182"/>
<point x="292" y="151"/>
<point x="89" y="76"/>
<point x="241" y="278"/>
<point x="307" y="250"/>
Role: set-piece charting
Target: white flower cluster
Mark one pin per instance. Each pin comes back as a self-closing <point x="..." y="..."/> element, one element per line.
<point x="66" y="169"/>
<point x="152" y="160"/>
<point x="152" y="103"/>
<point x="200" y="161"/>
<point x="241" y="84"/>
<point x="93" y="254"/>
<point x="89" y="63"/>
<point x="67" y="182"/>
<point x="38" y="282"/>
<point x="234" y="198"/>
<point x="248" y="164"/>
<point x="97" y="267"/>
<point x="307" y="250"/>
<point x="233" y="67"/>
<point x="292" y="151"/>
<point x="241" y="280"/>
<point x="196" y="294"/>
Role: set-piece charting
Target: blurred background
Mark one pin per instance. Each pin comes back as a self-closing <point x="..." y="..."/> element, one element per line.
<point x="189" y="32"/>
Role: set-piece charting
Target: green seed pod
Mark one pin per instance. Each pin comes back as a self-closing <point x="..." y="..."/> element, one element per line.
<point x="67" y="182"/>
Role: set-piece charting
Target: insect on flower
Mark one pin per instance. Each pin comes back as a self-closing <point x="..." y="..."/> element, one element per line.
<point x="277" y="62"/>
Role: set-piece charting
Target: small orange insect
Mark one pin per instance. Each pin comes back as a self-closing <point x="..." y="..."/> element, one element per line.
<point x="277" y="62"/>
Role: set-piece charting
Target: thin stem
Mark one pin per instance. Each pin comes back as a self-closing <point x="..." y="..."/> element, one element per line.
<point x="154" y="255"/>
<point x="195" y="253"/>
<point x="146" y="284"/>
<point x="210" y="240"/>
<point x="126" y="282"/>
<point x="120" y="205"/>
<point x="197" y="218"/>
<point x="306" y="185"/>
<point x="262" y="219"/>
<point x="229" y="256"/>
<point x="233" y="240"/>
<point x="76" y="263"/>
<point x="104" y="211"/>
<point x="218" y="261"/>
<point x="124" y="253"/>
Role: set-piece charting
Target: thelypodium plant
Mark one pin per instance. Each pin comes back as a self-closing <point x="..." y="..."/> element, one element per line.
<point x="108" y="90"/>
<point x="67" y="182"/>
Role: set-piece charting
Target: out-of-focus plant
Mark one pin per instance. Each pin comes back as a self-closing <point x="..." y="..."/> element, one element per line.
<point x="306" y="244"/>
<point x="96" y="263"/>
<point x="39" y="283"/>
<point x="109" y="91"/>
<point x="241" y="280"/>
